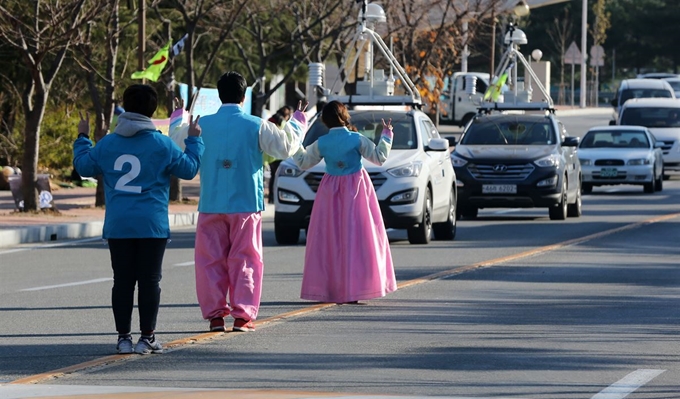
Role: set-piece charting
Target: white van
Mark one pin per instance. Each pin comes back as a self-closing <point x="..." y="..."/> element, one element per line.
<point x="640" y="88"/>
<point x="662" y="117"/>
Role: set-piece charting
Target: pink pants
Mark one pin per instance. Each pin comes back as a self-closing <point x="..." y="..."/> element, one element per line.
<point x="228" y="257"/>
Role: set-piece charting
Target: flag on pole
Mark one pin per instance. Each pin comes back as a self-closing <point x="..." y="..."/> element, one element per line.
<point x="156" y="65"/>
<point x="179" y="46"/>
<point x="496" y="87"/>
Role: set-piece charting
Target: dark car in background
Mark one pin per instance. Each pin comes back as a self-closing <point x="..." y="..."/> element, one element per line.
<point x="517" y="161"/>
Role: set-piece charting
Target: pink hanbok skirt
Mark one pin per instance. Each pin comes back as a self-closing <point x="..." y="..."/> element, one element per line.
<point x="347" y="255"/>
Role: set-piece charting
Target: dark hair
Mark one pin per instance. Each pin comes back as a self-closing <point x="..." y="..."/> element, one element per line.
<point x="286" y="111"/>
<point x="141" y="99"/>
<point x="277" y="119"/>
<point x="231" y="88"/>
<point x="334" y="114"/>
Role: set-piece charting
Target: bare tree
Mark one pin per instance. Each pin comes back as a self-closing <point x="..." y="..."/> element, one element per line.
<point x="283" y="37"/>
<point x="429" y="37"/>
<point x="560" y="34"/>
<point x="99" y="63"/>
<point x="42" y="32"/>
<point x="204" y="20"/>
<point x="599" y="33"/>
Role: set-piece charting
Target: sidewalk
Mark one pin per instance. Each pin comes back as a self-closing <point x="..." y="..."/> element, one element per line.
<point x="79" y="218"/>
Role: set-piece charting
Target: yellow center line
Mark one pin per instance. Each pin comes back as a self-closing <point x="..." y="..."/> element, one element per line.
<point x="33" y="379"/>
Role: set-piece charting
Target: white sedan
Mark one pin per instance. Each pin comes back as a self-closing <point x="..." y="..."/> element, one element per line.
<point x="621" y="155"/>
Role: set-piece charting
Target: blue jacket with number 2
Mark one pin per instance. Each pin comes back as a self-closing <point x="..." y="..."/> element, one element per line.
<point x="136" y="162"/>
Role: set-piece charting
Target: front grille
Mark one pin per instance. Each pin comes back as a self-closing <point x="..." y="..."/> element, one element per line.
<point x="314" y="179"/>
<point x="500" y="171"/>
<point x="609" y="162"/>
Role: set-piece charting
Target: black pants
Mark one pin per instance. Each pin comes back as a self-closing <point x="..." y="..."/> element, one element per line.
<point x="136" y="261"/>
<point x="273" y="167"/>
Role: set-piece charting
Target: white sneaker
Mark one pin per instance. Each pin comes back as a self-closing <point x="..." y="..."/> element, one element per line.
<point x="144" y="346"/>
<point x="124" y="345"/>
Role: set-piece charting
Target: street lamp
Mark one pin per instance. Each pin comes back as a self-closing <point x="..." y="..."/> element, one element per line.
<point x="521" y="9"/>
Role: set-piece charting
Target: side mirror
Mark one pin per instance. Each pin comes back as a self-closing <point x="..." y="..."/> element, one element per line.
<point x="570" y="141"/>
<point x="615" y="102"/>
<point x="612" y="122"/>
<point x="437" y="145"/>
<point x="658" y="144"/>
<point x="452" y="141"/>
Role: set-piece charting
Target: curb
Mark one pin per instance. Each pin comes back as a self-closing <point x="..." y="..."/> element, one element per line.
<point x="75" y="231"/>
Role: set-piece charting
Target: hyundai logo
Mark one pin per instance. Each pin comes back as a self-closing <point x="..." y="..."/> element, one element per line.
<point x="500" y="168"/>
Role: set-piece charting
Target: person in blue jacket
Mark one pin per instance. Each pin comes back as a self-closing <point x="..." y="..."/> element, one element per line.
<point x="228" y="249"/>
<point x="136" y="162"/>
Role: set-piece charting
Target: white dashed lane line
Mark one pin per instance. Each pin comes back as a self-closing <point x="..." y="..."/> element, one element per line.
<point x="628" y="384"/>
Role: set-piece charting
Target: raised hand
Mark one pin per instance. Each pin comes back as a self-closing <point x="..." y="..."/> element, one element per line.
<point x="301" y="107"/>
<point x="194" y="127"/>
<point x="84" y="124"/>
<point x="179" y="103"/>
<point x="387" y="125"/>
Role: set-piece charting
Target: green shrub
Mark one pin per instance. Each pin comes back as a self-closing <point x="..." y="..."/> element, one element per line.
<point x="56" y="140"/>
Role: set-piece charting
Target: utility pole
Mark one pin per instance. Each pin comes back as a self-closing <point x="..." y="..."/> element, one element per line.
<point x="584" y="53"/>
<point x="493" y="41"/>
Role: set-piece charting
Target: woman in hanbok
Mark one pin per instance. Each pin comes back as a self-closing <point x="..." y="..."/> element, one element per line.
<point x="347" y="256"/>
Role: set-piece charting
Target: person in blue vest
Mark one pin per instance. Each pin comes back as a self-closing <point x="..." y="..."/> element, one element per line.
<point x="136" y="161"/>
<point x="228" y="248"/>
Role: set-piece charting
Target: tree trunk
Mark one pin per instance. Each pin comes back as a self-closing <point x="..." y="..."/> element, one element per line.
<point x="29" y="164"/>
<point x="175" y="189"/>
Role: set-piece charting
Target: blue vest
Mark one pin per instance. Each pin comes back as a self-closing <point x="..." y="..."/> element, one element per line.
<point x="231" y="166"/>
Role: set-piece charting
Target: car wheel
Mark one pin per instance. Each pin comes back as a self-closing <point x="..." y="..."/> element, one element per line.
<point x="650" y="187"/>
<point x="468" y="212"/>
<point x="574" y="210"/>
<point x="286" y="235"/>
<point x="559" y="212"/>
<point x="447" y="230"/>
<point x="586" y="188"/>
<point x="659" y="183"/>
<point x="421" y="233"/>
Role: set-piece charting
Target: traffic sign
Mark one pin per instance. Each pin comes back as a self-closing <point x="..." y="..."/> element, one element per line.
<point x="596" y="56"/>
<point x="573" y="55"/>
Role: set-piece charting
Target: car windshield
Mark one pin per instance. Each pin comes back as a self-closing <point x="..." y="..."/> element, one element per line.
<point x="369" y="124"/>
<point x="615" y="139"/>
<point x="675" y="84"/>
<point x="644" y="93"/>
<point x="509" y="132"/>
<point x="651" y="117"/>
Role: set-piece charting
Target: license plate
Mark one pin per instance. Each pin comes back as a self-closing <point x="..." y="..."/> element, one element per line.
<point x="499" y="189"/>
<point x="609" y="172"/>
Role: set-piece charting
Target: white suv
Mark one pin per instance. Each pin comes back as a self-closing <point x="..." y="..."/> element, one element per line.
<point x="662" y="117"/>
<point x="415" y="187"/>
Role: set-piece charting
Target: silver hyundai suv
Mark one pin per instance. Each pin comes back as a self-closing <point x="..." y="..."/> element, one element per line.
<point x="415" y="187"/>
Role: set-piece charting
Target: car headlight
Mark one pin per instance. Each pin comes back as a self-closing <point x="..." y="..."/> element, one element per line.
<point x="411" y="170"/>
<point x="457" y="161"/>
<point x="585" y="162"/>
<point x="639" y="161"/>
<point x="288" y="171"/>
<point x="551" y="160"/>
